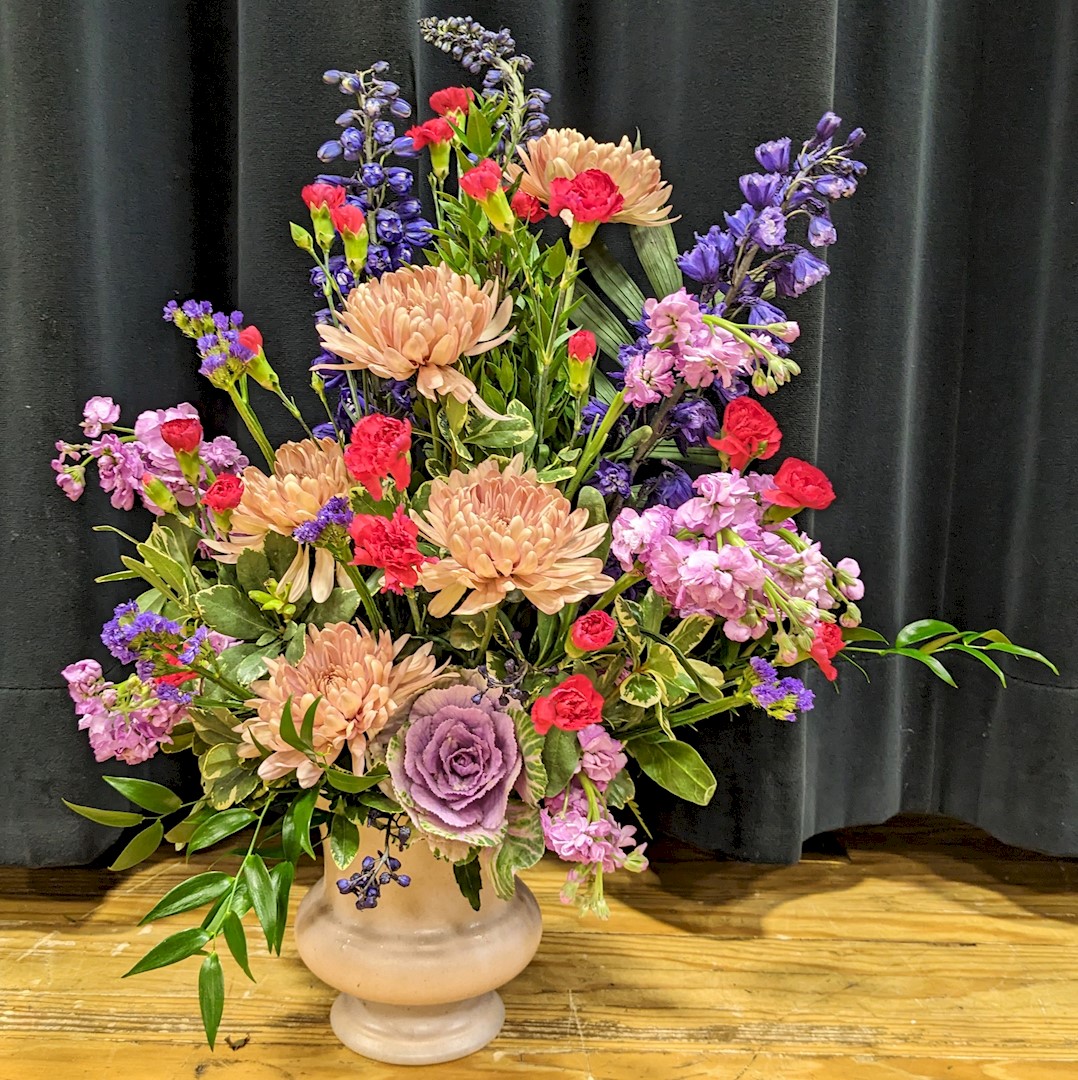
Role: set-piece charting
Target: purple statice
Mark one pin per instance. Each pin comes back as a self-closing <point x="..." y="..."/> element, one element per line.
<point x="216" y="336"/>
<point x="782" y="698"/>
<point x="613" y="478"/>
<point x="130" y="633"/>
<point x="369" y="138"/>
<point x="336" y="512"/>
<point x="692" y="422"/>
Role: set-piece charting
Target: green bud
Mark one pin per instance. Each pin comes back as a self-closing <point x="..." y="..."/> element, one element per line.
<point x="581" y="233"/>
<point x="323" y="226"/>
<point x="159" y="494"/>
<point x="579" y="376"/>
<point x="439" y="159"/>
<point x="301" y="238"/>
<point x="260" y="370"/>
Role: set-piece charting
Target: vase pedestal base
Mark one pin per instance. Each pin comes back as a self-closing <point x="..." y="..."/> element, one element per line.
<point x="417" y="1034"/>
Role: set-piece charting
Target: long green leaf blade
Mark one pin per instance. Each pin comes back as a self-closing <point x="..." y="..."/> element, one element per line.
<point x="174" y="948"/>
<point x="236" y="940"/>
<point x="211" y="995"/>
<point x="145" y="793"/>
<point x="142" y="846"/>
<point x="119" y="819"/>
<point x="218" y="827"/>
<point x="190" y="894"/>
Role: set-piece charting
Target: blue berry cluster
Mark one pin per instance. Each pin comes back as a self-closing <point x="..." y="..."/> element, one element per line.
<point x="374" y="873"/>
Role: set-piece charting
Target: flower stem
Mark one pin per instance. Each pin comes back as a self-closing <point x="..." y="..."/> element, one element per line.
<point x="364" y="595"/>
<point x="626" y="581"/>
<point x="247" y="415"/>
<point x="595" y="443"/>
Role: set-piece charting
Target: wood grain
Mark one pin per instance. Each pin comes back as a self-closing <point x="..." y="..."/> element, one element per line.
<point x="917" y="951"/>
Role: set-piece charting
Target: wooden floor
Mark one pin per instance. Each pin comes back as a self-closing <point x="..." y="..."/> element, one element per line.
<point x="917" y="949"/>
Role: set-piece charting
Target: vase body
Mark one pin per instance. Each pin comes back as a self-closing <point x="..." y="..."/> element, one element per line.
<point x="419" y="973"/>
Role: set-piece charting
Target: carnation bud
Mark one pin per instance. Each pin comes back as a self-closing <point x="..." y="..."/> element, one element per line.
<point x="155" y="490"/>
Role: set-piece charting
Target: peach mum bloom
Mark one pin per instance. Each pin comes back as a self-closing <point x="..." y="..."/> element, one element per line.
<point x="504" y="530"/>
<point x="420" y="321"/>
<point x="361" y="683"/>
<point x="565" y="152"/>
<point x="305" y="477"/>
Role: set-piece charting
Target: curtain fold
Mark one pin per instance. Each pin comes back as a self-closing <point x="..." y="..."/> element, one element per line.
<point x="150" y="152"/>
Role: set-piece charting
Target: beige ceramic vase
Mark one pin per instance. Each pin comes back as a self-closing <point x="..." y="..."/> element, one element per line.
<point x="418" y="974"/>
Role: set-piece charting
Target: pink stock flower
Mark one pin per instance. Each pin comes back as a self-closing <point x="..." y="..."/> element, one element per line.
<point x="849" y="580"/>
<point x="635" y="534"/>
<point x="71" y="479"/>
<point x="119" y="469"/>
<point x="99" y="413"/>
<point x="602" y="756"/>
<point x="649" y="378"/>
<point x="673" y="320"/>
<point x="714" y="355"/>
<point x="573" y="838"/>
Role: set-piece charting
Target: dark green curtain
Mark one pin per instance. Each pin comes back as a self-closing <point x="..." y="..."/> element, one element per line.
<point x="152" y="151"/>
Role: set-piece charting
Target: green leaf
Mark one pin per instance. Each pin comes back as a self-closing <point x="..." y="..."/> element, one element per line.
<point x="190" y="894"/>
<point x="690" y="632"/>
<point x="263" y="896"/>
<point x="377" y="800"/>
<point x="252" y="570"/>
<point x="143" y="844"/>
<point x="521" y="849"/>
<point x="531" y="749"/>
<point x="215" y="725"/>
<point x="226" y="777"/>
<point x="282" y="876"/>
<point x="1018" y="650"/>
<point x="306" y="731"/>
<point x="119" y="575"/>
<point x="120" y="819"/>
<point x="862" y="633"/>
<point x="145" y="793"/>
<point x="554" y="260"/>
<point x="296" y="828"/>
<point x="677" y="767"/>
<point x="592" y="314"/>
<point x="289" y="732"/>
<point x="626" y="613"/>
<point x="343" y="840"/>
<point x="494" y="434"/>
<point x="466" y="631"/>
<point x="561" y="755"/>
<point x="218" y="827"/>
<point x="166" y="568"/>
<point x="211" y="995"/>
<point x="555" y="474"/>
<point x="340" y="606"/>
<point x="614" y="280"/>
<point x="641" y="689"/>
<point x="620" y="790"/>
<point x="652" y="611"/>
<point x="978" y="655"/>
<point x="295" y="649"/>
<point x="469" y="880"/>
<point x="657" y="250"/>
<point x="181" y="832"/>
<point x="929" y="661"/>
<point x="921" y="631"/>
<point x="174" y="948"/>
<point x="346" y="781"/>
<point x="280" y="551"/>
<point x="236" y="940"/>
<point x="228" y="611"/>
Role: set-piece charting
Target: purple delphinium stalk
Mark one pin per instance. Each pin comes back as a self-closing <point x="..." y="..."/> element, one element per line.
<point x="613" y="478"/>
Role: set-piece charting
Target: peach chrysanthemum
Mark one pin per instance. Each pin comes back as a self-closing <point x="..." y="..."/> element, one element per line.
<point x="504" y="530"/>
<point x="565" y="152"/>
<point x="361" y="683"/>
<point x="420" y="321"/>
<point x="305" y="477"/>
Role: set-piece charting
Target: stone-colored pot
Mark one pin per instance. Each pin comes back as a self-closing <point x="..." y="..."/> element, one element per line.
<point x="418" y="974"/>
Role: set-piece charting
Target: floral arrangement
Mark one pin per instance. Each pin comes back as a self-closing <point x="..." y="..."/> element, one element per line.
<point x="489" y="587"/>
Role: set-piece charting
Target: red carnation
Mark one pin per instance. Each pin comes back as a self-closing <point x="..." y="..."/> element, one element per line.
<point x="347" y="218"/>
<point x="452" y="99"/>
<point x="527" y="207"/>
<point x="433" y="131"/>
<point x="797" y="483"/>
<point x="482" y="181"/>
<point x="826" y="644"/>
<point x="572" y="705"/>
<point x="318" y="195"/>
<point x="250" y="337"/>
<point x="593" y="631"/>
<point x="582" y="345"/>
<point x="224" y="493"/>
<point x="183" y="435"/>
<point x="389" y="544"/>
<point x="590" y="196"/>
<point x="749" y="431"/>
<point x="379" y="448"/>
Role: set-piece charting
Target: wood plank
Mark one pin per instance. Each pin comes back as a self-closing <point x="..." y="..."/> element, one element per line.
<point x="913" y="956"/>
